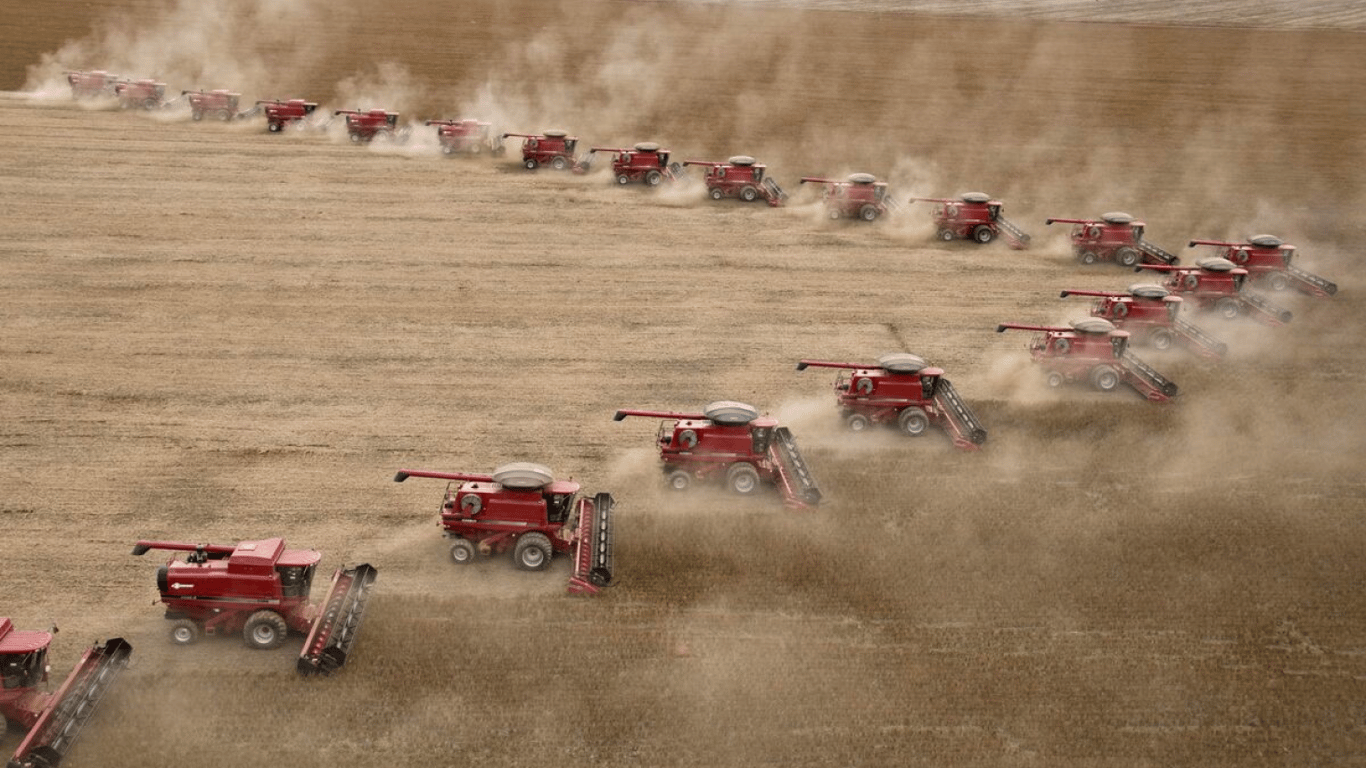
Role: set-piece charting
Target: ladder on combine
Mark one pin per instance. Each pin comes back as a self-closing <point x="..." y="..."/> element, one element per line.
<point x="962" y="425"/>
<point x="1146" y="379"/>
<point x="593" y="547"/>
<point x="334" y="631"/>
<point x="1311" y="284"/>
<point x="1158" y="254"/>
<point x="775" y="193"/>
<point x="72" y="706"/>
<point x="1198" y="341"/>
<point x="798" y="487"/>
<point x="1015" y="236"/>
<point x="1268" y="312"/>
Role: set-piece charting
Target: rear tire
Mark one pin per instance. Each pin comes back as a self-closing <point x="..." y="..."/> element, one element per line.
<point x="946" y="235"/>
<point x="530" y="164"/>
<point x="447" y="149"/>
<point x="196" y="115"/>
<point x="716" y="193"/>
<point x="857" y="422"/>
<point x="185" y="632"/>
<point x="742" y="479"/>
<point x="275" y="127"/>
<point x="913" y="422"/>
<point x="1088" y="258"/>
<point x="462" y="552"/>
<point x="623" y="179"/>
<point x="265" y="630"/>
<point x="679" y="480"/>
<point x="532" y="552"/>
<point x="1056" y="379"/>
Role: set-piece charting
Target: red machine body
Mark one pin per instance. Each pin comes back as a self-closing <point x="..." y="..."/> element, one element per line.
<point x="645" y="162"/>
<point x="92" y="84"/>
<point x="364" y="125"/>
<point x="466" y="137"/>
<point x="730" y="443"/>
<point x="522" y="508"/>
<point x="904" y="390"/>
<point x="552" y="148"/>
<point x="51" y="720"/>
<point x="1116" y="237"/>
<point x="1150" y="313"/>
<point x="218" y="104"/>
<point x="140" y="94"/>
<point x="282" y="112"/>
<point x="1267" y="260"/>
<point x="1216" y="285"/>
<point x="860" y="196"/>
<point x="973" y="216"/>
<point x="261" y="589"/>
<point x="1093" y="350"/>
<point x="743" y="177"/>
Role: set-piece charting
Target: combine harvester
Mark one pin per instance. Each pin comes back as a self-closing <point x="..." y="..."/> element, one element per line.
<point x="646" y="162"/>
<point x="740" y="177"/>
<point x="51" y="721"/>
<point x="140" y="94"/>
<point x="973" y="216"/>
<point x="281" y="113"/>
<point x="730" y="442"/>
<point x="553" y="148"/>
<point x="860" y="196"/>
<point x="93" y="84"/>
<point x="218" y="104"/>
<point x="467" y="137"/>
<point x="365" y="125"/>
<point x="261" y="589"/>
<point x="1267" y="261"/>
<point x="1116" y="237"/>
<point x="1216" y="285"/>
<point x="902" y="389"/>
<point x="1093" y="350"/>
<point x="1149" y="312"/>
<point x="522" y="507"/>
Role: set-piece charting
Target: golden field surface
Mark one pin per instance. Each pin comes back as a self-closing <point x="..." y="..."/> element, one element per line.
<point x="212" y="333"/>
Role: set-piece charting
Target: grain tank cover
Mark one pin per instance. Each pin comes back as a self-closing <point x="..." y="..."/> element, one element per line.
<point x="742" y="160"/>
<point x="901" y="362"/>
<point x="523" y="476"/>
<point x="1148" y="291"/>
<point x="861" y="178"/>
<point x="556" y="134"/>
<point x="974" y="197"/>
<point x="1093" y="325"/>
<point x="1216" y="265"/>
<point x="1266" y="241"/>
<point x="1116" y="217"/>
<point x="647" y="146"/>
<point x="730" y="412"/>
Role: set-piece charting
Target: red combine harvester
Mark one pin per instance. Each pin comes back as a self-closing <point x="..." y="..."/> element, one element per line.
<point x="973" y="216"/>
<point x="646" y="162"/>
<point x="1093" y="350"/>
<point x="280" y="113"/>
<point x="1267" y="260"/>
<point x="218" y="104"/>
<point x="140" y="94"/>
<point x="730" y="442"/>
<point x="91" y="85"/>
<point x="261" y="589"/>
<point x="552" y="148"/>
<point x="522" y="507"/>
<point x="860" y="196"/>
<point x="1116" y="237"/>
<point x="743" y="177"/>
<point x="52" y="721"/>
<point x="1216" y="285"/>
<point x="363" y="125"/>
<point x="466" y="137"/>
<point x="1149" y="312"/>
<point x="902" y="389"/>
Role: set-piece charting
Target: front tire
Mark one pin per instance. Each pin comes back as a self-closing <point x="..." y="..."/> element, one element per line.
<point x="532" y="552"/>
<point x="1161" y="339"/>
<point x="868" y="213"/>
<point x="913" y="422"/>
<point x="184" y="632"/>
<point x="742" y="479"/>
<point x="1278" y="281"/>
<point x="983" y="234"/>
<point x="1227" y="307"/>
<point x="653" y="178"/>
<point x="559" y="163"/>
<point x="749" y="194"/>
<point x="1104" y="378"/>
<point x="1127" y="257"/>
<point x="265" y="630"/>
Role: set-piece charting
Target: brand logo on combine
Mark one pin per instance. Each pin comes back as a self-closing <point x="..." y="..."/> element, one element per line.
<point x="178" y="585"/>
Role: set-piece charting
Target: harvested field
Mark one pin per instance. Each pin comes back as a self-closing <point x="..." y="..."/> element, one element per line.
<point x="209" y="332"/>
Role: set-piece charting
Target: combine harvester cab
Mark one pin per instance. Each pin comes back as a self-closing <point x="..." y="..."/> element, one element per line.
<point x="645" y="162"/>
<point x="140" y="94"/>
<point x="363" y="126"/>
<point x="51" y="721"/>
<point x="1216" y="285"/>
<point x="522" y="507"/>
<point x="731" y="443"/>
<point x="551" y="148"/>
<point x="261" y="589"/>
<point x="94" y="84"/>
<point x="904" y="390"/>
<point x="281" y="113"/>
<point x="1093" y="350"/>
<point x="860" y="196"/>
<point x="1116" y="237"/>
<point x="1150" y="313"/>
<point x="467" y="137"/>
<point x="218" y="104"/>
<point x="740" y="177"/>
<point x="973" y="216"/>
<point x="1267" y="260"/>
